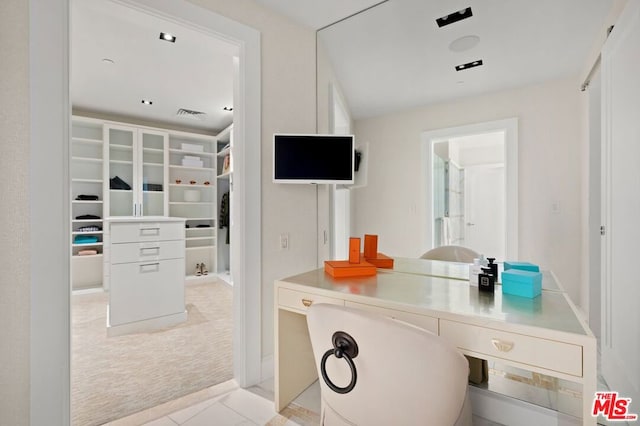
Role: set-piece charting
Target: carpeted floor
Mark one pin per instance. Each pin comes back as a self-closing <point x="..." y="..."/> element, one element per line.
<point x="113" y="377"/>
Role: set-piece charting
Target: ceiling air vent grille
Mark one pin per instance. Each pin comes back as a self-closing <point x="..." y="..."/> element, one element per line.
<point x="189" y="113"/>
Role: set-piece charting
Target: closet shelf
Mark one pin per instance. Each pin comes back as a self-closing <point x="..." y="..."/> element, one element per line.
<point x="87" y="141"/>
<point x="224" y="152"/>
<point x="86" y="232"/>
<point x="86" y="220"/>
<point x="116" y="146"/>
<point x="120" y="162"/>
<point x="187" y="185"/>
<point x="207" y="247"/>
<point x="87" y="159"/>
<point x="86" y="256"/>
<point x="87" y="201"/>
<point x="211" y="237"/>
<point x="190" y="203"/>
<point x="99" y="243"/>
<point x="82" y="180"/>
<point x="196" y="153"/>
<point x="175" y="166"/>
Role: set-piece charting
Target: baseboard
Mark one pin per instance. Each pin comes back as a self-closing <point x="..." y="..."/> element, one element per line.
<point x="505" y="410"/>
<point x="267" y="368"/>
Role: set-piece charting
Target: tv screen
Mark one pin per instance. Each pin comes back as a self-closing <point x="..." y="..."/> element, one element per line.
<point x="313" y="158"/>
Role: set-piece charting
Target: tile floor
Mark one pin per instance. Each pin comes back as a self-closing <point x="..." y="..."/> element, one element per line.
<point x="228" y="404"/>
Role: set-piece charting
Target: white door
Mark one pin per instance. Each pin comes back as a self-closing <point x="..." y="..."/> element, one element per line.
<point x="484" y="210"/>
<point x="620" y="342"/>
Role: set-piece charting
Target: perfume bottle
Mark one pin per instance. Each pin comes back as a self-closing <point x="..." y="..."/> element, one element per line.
<point x="493" y="266"/>
<point x="486" y="281"/>
<point x="474" y="270"/>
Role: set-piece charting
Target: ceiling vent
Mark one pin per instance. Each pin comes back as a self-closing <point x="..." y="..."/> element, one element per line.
<point x="189" y="113"/>
<point x="454" y="17"/>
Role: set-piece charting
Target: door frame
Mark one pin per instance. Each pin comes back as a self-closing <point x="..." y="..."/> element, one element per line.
<point x="510" y="127"/>
<point x="49" y="193"/>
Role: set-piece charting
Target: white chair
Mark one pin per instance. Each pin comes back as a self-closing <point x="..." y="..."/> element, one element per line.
<point x="451" y="254"/>
<point x="404" y="375"/>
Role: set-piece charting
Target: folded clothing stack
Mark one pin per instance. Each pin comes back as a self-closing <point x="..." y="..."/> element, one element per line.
<point x="89" y="228"/>
<point x="88" y="252"/>
<point x="85" y="197"/>
<point x="152" y="187"/>
<point x="192" y="161"/>
<point x="85" y="239"/>
<point x="117" y="183"/>
<point x="87" y="217"/>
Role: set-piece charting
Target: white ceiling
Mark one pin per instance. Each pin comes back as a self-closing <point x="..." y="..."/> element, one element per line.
<point x="394" y="56"/>
<point x="194" y="73"/>
<point x="391" y="56"/>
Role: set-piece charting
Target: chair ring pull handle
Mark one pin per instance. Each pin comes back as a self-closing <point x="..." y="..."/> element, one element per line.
<point x="344" y="346"/>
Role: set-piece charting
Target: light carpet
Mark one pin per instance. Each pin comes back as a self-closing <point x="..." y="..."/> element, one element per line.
<point x="113" y="377"/>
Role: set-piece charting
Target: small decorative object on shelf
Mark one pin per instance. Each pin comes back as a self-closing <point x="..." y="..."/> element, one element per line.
<point x="206" y="182"/>
<point x="371" y="254"/>
<point x="354" y="250"/>
<point x="178" y="181"/>
<point x="192" y="182"/>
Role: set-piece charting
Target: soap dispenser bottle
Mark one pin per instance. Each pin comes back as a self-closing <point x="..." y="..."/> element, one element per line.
<point x="486" y="281"/>
<point x="474" y="270"/>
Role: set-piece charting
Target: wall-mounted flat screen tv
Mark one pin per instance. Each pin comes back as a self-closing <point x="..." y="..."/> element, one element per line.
<point x="313" y="158"/>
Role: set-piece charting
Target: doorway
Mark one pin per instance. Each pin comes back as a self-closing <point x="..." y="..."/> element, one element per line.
<point x="471" y="188"/>
<point x="50" y="295"/>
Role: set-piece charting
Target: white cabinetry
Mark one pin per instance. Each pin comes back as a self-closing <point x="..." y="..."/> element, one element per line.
<point x="146" y="273"/>
<point x="136" y="176"/>
<point x="192" y="182"/>
<point x="87" y="201"/>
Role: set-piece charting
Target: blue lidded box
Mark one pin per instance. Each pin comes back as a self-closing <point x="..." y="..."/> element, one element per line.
<point x="522" y="283"/>
<point x="525" y="266"/>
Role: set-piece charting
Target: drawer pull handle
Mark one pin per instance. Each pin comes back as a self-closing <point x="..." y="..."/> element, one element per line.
<point x="155" y="249"/>
<point x="502" y="345"/>
<point x="307" y="302"/>
<point x="155" y="230"/>
<point x="149" y="267"/>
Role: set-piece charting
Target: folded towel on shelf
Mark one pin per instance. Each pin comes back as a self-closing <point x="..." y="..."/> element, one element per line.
<point x="85" y="239"/>
<point x="87" y="252"/>
<point x="89" y="228"/>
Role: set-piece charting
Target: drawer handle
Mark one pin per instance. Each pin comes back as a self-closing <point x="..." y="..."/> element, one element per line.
<point x="307" y="302"/>
<point x="156" y="266"/>
<point x="155" y="249"/>
<point x="502" y="345"/>
<point x="155" y="230"/>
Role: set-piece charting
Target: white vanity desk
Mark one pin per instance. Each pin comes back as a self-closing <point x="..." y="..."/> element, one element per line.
<point x="544" y="335"/>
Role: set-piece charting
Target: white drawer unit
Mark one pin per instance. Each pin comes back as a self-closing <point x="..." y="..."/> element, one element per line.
<point x="147" y="251"/>
<point x="146" y="274"/>
<point x="422" y="321"/>
<point x="301" y="301"/>
<point x="140" y="231"/>
<point x="528" y="350"/>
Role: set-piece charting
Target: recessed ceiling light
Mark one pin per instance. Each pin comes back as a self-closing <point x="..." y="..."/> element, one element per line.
<point x="168" y="37"/>
<point x="469" y="65"/>
<point x="108" y="61"/>
<point x="147" y="102"/>
<point x="464" y="43"/>
<point x="454" y="17"/>
<point x="228" y="108"/>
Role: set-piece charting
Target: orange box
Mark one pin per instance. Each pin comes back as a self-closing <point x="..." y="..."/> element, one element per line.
<point x="370" y="245"/>
<point x="343" y="268"/>
<point x="354" y="250"/>
<point x="380" y="260"/>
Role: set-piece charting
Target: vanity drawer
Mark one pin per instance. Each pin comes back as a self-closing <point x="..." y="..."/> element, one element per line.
<point x="535" y="351"/>
<point x="133" y="232"/>
<point x="141" y="252"/>
<point x="301" y="301"/>
<point x="422" y="321"/>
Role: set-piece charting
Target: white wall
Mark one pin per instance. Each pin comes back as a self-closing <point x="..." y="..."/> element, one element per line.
<point x="288" y="105"/>
<point x="14" y="213"/>
<point x="549" y="115"/>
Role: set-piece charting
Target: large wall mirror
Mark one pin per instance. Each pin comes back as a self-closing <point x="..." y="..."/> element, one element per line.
<point x="402" y="81"/>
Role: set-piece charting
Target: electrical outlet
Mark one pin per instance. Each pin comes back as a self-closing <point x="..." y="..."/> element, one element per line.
<point x="284" y="241"/>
